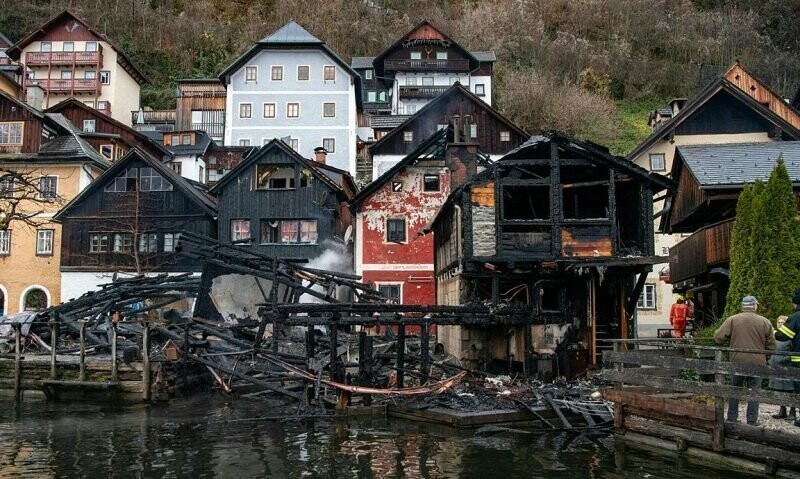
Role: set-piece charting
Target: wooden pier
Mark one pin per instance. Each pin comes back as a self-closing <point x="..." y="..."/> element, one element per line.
<point x="674" y="394"/>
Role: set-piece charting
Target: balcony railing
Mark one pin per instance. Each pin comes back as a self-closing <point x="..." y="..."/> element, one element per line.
<point x="214" y="130"/>
<point x="426" y="65"/>
<point x="421" y="91"/>
<point x="74" y="85"/>
<point x="697" y="254"/>
<point x="65" y="58"/>
<point x="153" y="116"/>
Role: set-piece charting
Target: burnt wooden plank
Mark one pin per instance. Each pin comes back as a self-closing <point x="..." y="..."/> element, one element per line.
<point x="663" y="404"/>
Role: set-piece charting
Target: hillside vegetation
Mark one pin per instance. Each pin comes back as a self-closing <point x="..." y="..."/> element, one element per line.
<point x="589" y="67"/>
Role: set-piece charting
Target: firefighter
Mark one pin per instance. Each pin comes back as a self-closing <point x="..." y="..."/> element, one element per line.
<point x="678" y="314"/>
<point x="789" y="332"/>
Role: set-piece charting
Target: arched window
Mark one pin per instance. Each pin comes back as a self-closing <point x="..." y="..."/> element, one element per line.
<point x="35" y="299"/>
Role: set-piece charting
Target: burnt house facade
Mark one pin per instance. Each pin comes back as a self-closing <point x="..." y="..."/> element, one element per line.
<point x="558" y="228"/>
<point x="129" y="220"/>
<point x="282" y="204"/>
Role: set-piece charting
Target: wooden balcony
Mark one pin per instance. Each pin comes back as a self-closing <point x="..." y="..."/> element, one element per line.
<point x="427" y="65"/>
<point x="409" y="92"/>
<point x="152" y="117"/>
<point x="65" y="58"/>
<point x="704" y="249"/>
<point x="67" y="87"/>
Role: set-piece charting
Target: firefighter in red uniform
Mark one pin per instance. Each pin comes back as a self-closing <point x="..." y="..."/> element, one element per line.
<point x="678" y="314"/>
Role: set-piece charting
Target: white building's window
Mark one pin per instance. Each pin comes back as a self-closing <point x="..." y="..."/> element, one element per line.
<point x="48" y="187"/>
<point x="329" y="73"/>
<point x="69" y="47"/>
<point x="411" y="81"/>
<point x="292" y="110"/>
<point x="251" y="74"/>
<point x="329" y="110"/>
<point x="368" y="74"/>
<point x="427" y="81"/>
<point x="657" y="162"/>
<point x="245" y="110"/>
<point x="44" y="242"/>
<point x="244" y="142"/>
<point x="88" y="126"/>
<point x="411" y="109"/>
<point x="277" y="73"/>
<point x="647" y="300"/>
<point x="102" y="105"/>
<point x="480" y="89"/>
<point x="269" y="110"/>
<point x="329" y="144"/>
<point x="66" y="74"/>
<point x="46" y="47"/>
<point x="303" y="72"/>
<point x="240" y="230"/>
<point x="294" y="143"/>
<point x="90" y="75"/>
<point x="91" y="46"/>
<point x="105" y="77"/>
<point x="5" y="242"/>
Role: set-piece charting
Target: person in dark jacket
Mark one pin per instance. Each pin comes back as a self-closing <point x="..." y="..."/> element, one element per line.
<point x="781" y="360"/>
<point x="789" y="332"/>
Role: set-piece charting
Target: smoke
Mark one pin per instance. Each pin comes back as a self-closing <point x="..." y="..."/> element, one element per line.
<point x="335" y="258"/>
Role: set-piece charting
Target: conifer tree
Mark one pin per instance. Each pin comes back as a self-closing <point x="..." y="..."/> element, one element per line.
<point x="740" y="246"/>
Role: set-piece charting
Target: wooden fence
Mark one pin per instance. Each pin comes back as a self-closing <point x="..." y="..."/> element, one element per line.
<point x="678" y="391"/>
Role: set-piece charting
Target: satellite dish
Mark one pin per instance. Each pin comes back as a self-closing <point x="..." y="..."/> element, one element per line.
<point x="348" y="235"/>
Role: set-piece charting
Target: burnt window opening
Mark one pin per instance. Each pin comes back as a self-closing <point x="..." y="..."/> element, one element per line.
<point x="269" y="177"/>
<point x="431" y="183"/>
<point x="530" y="202"/>
<point x="570" y="174"/>
<point x="549" y="297"/>
<point x="528" y="172"/>
<point x="587" y="202"/>
<point x="396" y="230"/>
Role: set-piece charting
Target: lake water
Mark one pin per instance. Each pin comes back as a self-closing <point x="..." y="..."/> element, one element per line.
<point x="209" y="437"/>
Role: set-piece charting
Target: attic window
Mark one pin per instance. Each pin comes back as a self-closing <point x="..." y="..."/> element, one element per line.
<point x="269" y="177"/>
<point x="408" y="136"/>
<point x="530" y="202"/>
<point x="441" y="55"/>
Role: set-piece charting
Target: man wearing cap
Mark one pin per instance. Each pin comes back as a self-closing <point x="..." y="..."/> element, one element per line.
<point x="746" y="330"/>
<point x="788" y="332"/>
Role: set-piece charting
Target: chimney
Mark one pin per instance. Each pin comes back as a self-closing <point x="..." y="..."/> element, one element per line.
<point x="320" y="154"/>
<point x="34" y="96"/>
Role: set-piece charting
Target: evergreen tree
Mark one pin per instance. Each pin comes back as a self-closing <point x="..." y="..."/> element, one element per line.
<point x="740" y="246"/>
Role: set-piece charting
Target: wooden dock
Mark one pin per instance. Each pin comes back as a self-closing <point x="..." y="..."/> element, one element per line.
<point x="657" y="402"/>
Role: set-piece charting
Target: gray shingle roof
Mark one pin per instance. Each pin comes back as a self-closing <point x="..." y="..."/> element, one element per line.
<point x="738" y="163"/>
<point x="290" y="33"/>
<point x="485" y="56"/>
<point x="70" y="143"/>
<point x="388" y="121"/>
<point x="361" y="62"/>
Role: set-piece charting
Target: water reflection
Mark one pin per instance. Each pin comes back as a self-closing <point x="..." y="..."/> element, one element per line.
<point x="208" y="438"/>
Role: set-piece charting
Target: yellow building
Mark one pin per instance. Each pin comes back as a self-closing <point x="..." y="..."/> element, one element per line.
<point x="736" y="107"/>
<point x="47" y="151"/>
<point x="68" y="58"/>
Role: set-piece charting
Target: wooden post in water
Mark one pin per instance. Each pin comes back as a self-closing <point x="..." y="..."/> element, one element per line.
<point x="82" y="375"/>
<point x="53" y="347"/>
<point x="17" y="362"/>
<point x="401" y="354"/>
<point x="146" y="360"/>
<point x="365" y="364"/>
<point x="619" y="410"/>
<point x="425" y="350"/>
<point x="718" y="434"/>
<point x="114" y="371"/>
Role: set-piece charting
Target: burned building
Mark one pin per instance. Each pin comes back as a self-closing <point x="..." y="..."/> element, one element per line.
<point x="559" y="228"/>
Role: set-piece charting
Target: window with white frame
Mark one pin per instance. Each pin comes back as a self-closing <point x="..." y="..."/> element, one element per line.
<point x="240" y="230"/>
<point x="102" y="105"/>
<point x="303" y="72"/>
<point x="441" y="55"/>
<point x="396" y="230"/>
<point x="244" y="141"/>
<point x="368" y="74"/>
<point x="98" y="243"/>
<point x="105" y="77"/>
<point x="293" y="110"/>
<point x="90" y="75"/>
<point x="123" y="243"/>
<point x="329" y="144"/>
<point x="372" y="96"/>
<point x="48" y="187"/>
<point x="46" y="47"/>
<point x="480" y="89"/>
<point x="505" y="136"/>
<point x="329" y="109"/>
<point x="473" y="130"/>
<point x="411" y="81"/>
<point x="269" y="110"/>
<point x="294" y="143"/>
<point x="427" y="81"/>
<point x="391" y="291"/>
<point x="408" y="136"/>
<point x="245" y="110"/>
<point x="66" y="74"/>
<point x="11" y="133"/>
<point x="152" y="181"/>
<point x="657" y="162"/>
<point x="88" y="126"/>
<point x="68" y="47"/>
<point x="44" y="242"/>
<point x="5" y="242"/>
<point x="647" y="300"/>
<point x="148" y="243"/>
<point x="170" y="241"/>
<point x="329" y="73"/>
<point x="91" y="47"/>
<point x="277" y="73"/>
<point x="251" y="74"/>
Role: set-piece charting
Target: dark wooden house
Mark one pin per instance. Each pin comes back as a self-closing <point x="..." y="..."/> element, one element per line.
<point x="559" y="227"/>
<point x="25" y="126"/>
<point x="111" y="138"/>
<point x="710" y="178"/>
<point x="284" y="205"/>
<point x="129" y="219"/>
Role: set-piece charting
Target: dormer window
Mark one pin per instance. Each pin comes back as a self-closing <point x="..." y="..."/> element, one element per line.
<point x="441" y="55"/>
<point x="416" y="55"/>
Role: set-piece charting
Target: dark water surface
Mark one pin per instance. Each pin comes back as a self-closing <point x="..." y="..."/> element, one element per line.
<point x="213" y="438"/>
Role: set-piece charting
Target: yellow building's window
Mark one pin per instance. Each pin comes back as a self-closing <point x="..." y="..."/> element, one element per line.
<point x="11" y="133"/>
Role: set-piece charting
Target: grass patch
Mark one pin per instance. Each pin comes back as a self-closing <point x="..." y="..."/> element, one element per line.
<point x="632" y="117"/>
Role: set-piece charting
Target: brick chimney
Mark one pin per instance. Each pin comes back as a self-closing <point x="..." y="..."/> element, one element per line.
<point x="461" y="153"/>
<point x="320" y="154"/>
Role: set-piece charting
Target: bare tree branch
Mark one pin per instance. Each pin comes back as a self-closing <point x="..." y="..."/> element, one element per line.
<point x="24" y="197"/>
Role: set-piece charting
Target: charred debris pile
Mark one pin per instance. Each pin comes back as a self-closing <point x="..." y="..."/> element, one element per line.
<point x="310" y="339"/>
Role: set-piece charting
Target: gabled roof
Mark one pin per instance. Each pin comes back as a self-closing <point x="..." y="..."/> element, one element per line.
<point x="719" y="84"/>
<point x="290" y="35"/>
<point x="591" y="151"/>
<point x="432" y="147"/>
<point x="72" y="102"/>
<point x="182" y="184"/>
<point x="202" y="142"/>
<point x="70" y="142"/>
<point x="378" y="61"/>
<point x="21" y="104"/>
<point x="485" y="57"/>
<point x="380" y="122"/>
<point x="456" y="89"/>
<point x="360" y="63"/>
<point x="735" y="164"/>
<point x="275" y="143"/>
<point x="123" y="59"/>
